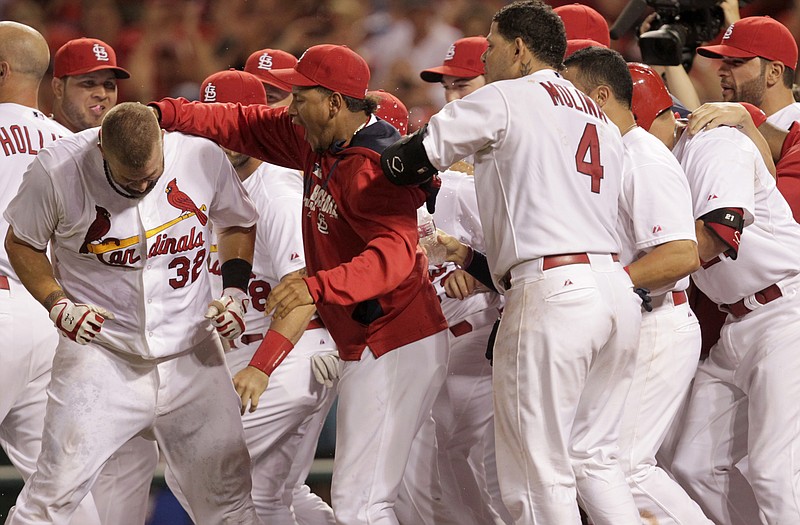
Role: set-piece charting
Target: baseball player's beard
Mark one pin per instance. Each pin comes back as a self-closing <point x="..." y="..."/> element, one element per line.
<point x="140" y="194"/>
<point x="78" y="117"/>
<point x="751" y="91"/>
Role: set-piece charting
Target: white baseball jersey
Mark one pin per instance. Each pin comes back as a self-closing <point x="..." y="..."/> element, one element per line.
<point x="725" y="170"/>
<point x="156" y="246"/>
<point x="785" y="117"/>
<point x="24" y="132"/>
<point x="457" y="214"/>
<point x="521" y="132"/>
<point x="655" y="202"/>
<point x="278" y="193"/>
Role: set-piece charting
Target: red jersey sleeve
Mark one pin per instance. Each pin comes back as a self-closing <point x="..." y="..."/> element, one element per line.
<point x="788" y="178"/>
<point x="258" y="131"/>
<point x="384" y="217"/>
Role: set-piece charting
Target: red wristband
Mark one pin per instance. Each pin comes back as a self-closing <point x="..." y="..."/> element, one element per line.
<point x="273" y="349"/>
<point x="627" y="270"/>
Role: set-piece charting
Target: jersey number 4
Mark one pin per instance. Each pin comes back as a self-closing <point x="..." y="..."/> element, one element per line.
<point x="587" y="158"/>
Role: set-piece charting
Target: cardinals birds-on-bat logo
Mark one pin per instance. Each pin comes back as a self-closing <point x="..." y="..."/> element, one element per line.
<point x="183" y="202"/>
<point x="98" y="229"/>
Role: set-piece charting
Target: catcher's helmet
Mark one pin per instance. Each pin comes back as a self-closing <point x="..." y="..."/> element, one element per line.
<point x="650" y="95"/>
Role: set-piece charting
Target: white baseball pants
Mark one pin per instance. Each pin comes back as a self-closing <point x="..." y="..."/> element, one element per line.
<point x="744" y="406"/>
<point x="383" y="404"/>
<point x="98" y="400"/>
<point x="28" y="346"/>
<point x="563" y="363"/>
<point x="464" y="416"/>
<point x="669" y="350"/>
<point x="282" y="433"/>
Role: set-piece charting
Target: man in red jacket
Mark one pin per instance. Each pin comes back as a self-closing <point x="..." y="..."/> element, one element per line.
<point x="366" y="274"/>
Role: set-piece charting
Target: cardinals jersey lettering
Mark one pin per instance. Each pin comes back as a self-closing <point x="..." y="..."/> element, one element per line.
<point x="143" y="259"/>
<point x="547" y="175"/>
<point x="725" y="170"/>
<point x="571" y="97"/>
<point x="655" y="203"/>
<point x="278" y="193"/>
<point x="361" y="262"/>
<point x="23" y="133"/>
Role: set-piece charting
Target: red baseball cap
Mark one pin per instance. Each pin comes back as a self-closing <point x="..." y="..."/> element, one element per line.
<point x="463" y="60"/>
<point x="238" y="87"/>
<point x="267" y="60"/>
<point x="333" y="67"/>
<point x="583" y="22"/>
<point x="755" y="36"/>
<point x="85" y="55"/>
<point x="392" y="110"/>
<point x="580" y="43"/>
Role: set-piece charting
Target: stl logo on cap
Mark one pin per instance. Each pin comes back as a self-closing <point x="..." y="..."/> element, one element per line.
<point x="728" y="32"/>
<point x="210" y="93"/>
<point x="451" y="53"/>
<point x="100" y="52"/>
<point x="265" y="62"/>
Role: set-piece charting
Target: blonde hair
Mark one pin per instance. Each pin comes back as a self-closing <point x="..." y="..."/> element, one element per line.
<point x="129" y="133"/>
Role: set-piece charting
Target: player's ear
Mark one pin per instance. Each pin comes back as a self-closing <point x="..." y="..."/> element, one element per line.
<point x="601" y="94"/>
<point x="58" y="87"/>
<point x="519" y="47"/>
<point x="335" y="103"/>
<point x="774" y="73"/>
<point x="4" y="69"/>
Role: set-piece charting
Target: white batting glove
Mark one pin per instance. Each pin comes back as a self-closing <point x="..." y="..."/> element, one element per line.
<point x="325" y="367"/>
<point x="79" y="322"/>
<point x="227" y="313"/>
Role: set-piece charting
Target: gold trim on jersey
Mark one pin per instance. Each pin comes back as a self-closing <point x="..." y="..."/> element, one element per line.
<point x="118" y="244"/>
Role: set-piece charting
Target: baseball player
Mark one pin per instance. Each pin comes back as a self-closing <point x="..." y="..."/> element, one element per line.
<point x="460" y="433"/>
<point x="260" y="63"/>
<point x="463" y="411"/>
<point x="85" y="75"/>
<point x="758" y="57"/>
<point x="784" y="145"/>
<point x="659" y="250"/>
<point x="85" y="89"/>
<point x="139" y="352"/>
<point x="548" y="205"/>
<point x="461" y="72"/>
<point x="295" y="404"/>
<point x="742" y="400"/>
<point x="367" y="277"/>
<point x="29" y="338"/>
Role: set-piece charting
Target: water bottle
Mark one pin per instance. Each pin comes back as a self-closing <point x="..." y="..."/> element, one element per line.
<point x="428" y="238"/>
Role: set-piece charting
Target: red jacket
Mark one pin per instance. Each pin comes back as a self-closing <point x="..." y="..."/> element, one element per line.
<point x="367" y="277"/>
<point x="788" y="170"/>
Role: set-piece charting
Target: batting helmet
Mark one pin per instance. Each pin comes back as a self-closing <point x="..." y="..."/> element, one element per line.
<point x="233" y="86"/>
<point x="392" y="110"/>
<point x="650" y="95"/>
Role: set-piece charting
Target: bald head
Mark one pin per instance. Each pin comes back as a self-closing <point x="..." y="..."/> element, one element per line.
<point x="24" y="49"/>
<point x="130" y="134"/>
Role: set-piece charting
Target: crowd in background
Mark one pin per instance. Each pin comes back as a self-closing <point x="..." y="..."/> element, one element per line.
<point x="170" y="46"/>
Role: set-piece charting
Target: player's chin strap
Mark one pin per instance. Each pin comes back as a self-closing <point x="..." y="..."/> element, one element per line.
<point x="406" y="163"/>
